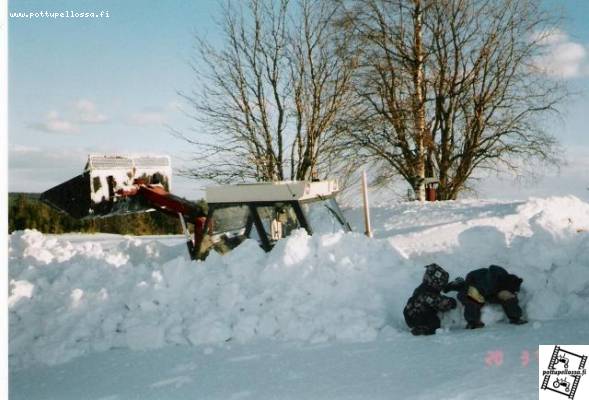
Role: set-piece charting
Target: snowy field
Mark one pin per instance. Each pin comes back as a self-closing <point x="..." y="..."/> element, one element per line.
<point x="113" y="317"/>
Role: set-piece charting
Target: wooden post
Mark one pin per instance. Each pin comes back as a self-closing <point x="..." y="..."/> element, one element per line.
<point x="368" y="229"/>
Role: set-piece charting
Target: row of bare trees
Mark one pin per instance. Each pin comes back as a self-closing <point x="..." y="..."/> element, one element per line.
<point x="416" y="88"/>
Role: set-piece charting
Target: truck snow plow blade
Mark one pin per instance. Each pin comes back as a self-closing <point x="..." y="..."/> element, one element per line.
<point x="95" y="193"/>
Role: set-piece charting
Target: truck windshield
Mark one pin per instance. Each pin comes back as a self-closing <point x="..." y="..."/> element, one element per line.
<point x="230" y="220"/>
<point x="227" y="228"/>
<point x="325" y="216"/>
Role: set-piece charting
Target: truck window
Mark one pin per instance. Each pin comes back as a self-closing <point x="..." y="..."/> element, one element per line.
<point x="325" y="216"/>
<point x="227" y="228"/>
<point x="279" y="220"/>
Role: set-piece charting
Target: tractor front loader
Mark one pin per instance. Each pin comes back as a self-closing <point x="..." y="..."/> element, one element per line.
<point x="118" y="185"/>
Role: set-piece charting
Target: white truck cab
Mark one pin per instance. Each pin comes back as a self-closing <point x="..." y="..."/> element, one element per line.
<point x="268" y="212"/>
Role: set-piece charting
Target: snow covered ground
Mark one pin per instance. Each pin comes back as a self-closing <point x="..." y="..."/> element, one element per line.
<point x="111" y="317"/>
<point x="452" y="365"/>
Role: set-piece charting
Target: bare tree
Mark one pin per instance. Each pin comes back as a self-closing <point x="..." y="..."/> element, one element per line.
<point x="240" y="107"/>
<point x="270" y="96"/>
<point x="321" y="69"/>
<point x="447" y="87"/>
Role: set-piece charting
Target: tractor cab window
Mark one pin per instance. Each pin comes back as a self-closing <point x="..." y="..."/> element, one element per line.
<point x="325" y="216"/>
<point x="278" y="220"/>
<point x="227" y="227"/>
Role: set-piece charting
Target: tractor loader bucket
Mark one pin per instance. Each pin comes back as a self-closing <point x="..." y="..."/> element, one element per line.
<point x="95" y="193"/>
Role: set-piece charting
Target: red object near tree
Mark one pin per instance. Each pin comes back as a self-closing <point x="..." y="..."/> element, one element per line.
<point x="430" y="194"/>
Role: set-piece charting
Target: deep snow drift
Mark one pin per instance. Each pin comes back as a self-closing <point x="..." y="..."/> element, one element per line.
<point x="72" y="295"/>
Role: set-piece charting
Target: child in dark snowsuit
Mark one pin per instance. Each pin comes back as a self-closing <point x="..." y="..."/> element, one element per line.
<point x="492" y="285"/>
<point x="421" y="311"/>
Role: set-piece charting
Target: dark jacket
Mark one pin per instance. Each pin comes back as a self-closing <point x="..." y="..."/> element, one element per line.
<point x="492" y="280"/>
<point x="427" y="300"/>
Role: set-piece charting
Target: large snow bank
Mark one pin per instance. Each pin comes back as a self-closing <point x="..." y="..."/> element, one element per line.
<point x="75" y="295"/>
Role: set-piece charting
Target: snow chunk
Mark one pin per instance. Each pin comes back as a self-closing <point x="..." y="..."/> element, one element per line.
<point x="19" y="290"/>
<point x="76" y="296"/>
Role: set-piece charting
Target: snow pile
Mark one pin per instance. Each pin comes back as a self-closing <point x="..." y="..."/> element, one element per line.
<point x="75" y="295"/>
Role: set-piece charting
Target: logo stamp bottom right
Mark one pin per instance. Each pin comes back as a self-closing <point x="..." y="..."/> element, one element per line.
<point x="562" y="371"/>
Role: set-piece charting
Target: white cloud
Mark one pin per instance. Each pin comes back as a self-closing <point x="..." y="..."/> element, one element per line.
<point x="154" y="116"/>
<point x="147" y="118"/>
<point x="54" y="123"/>
<point x="81" y="112"/>
<point x="87" y="113"/>
<point x="174" y="106"/>
<point x="549" y="37"/>
<point x="562" y="57"/>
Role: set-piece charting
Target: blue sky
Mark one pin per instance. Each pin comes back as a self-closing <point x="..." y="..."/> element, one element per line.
<point x="109" y="85"/>
<point x="97" y="85"/>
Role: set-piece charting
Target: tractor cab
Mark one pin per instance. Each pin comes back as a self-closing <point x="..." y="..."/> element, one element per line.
<point x="267" y="212"/>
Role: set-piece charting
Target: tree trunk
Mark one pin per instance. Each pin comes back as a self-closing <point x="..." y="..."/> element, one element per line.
<point x="419" y="103"/>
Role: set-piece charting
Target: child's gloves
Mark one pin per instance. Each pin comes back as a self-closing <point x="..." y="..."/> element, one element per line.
<point x="455" y="286"/>
<point x="453" y="304"/>
<point x="447" y="304"/>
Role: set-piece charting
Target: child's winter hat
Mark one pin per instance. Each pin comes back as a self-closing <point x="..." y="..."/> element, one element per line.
<point x="435" y="276"/>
